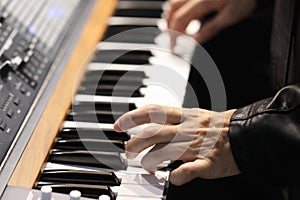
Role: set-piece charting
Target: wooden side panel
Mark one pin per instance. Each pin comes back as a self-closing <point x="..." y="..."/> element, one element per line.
<point x="34" y="156"/>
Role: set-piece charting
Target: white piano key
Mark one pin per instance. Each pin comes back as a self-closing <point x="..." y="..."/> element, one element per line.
<point x="141" y="179"/>
<point x="72" y="124"/>
<point x="138" y="190"/>
<point x="124" y="45"/>
<point x="135" y="164"/>
<point x="108" y="99"/>
<point x="133" y="21"/>
<point x="109" y="66"/>
<point x="153" y="95"/>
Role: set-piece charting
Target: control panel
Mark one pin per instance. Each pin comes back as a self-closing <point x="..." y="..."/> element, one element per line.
<point x="32" y="36"/>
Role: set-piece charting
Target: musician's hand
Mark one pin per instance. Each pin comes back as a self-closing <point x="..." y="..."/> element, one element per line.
<point x="228" y="12"/>
<point x="198" y="137"/>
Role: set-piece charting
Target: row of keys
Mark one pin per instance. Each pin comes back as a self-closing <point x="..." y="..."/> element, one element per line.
<point x="94" y="156"/>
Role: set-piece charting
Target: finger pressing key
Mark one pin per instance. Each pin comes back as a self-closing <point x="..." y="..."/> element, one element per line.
<point x="148" y="137"/>
<point x="148" y="114"/>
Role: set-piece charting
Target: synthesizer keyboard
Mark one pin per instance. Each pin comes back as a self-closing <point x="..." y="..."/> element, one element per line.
<point x="128" y="70"/>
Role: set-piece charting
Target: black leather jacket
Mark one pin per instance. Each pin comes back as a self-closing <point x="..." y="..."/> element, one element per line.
<point x="265" y="136"/>
<point x="265" y="140"/>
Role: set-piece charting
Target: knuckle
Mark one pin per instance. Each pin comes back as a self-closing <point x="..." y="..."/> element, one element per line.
<point x="178" y="19"/>
<point x="152" y="108"/>
<point x="129" y="147"/>
<point x="188" y="171"/>
<point x="182" y="176"/>
<point x="150" y="132"/>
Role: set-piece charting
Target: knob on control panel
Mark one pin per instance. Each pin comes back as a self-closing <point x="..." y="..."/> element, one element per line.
<point x="46" y="193"/>
<point x="75" y="195"/>
<point x="104" y="197"/>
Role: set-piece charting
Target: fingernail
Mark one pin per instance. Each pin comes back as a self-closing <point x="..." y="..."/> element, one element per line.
<point x="131" y="155"/>
<point x="152" y="172"/>
<point x="117" y="126"/>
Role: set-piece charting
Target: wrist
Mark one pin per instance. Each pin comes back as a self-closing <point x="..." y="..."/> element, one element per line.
<point x="228" y="116"/>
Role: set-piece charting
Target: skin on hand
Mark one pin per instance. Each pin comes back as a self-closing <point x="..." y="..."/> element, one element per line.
<point x="197" y="136"/>
<point x="228" y="13"/>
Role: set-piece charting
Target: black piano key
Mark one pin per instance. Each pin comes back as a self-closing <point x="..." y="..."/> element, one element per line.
<point x="110" y="160"/>
<point x="89" y="191"/>
<point x="80" y="177"/>
<point x="103" y="106"/>
<point x="97" y="78"/>
<point x="109" y="79"/>
<point x="144" y="36"/>
<point x="137" y="57"/>
<point x="83" y="133"/>
<point x="135" y="73"/>
<point x="114" y="75"/>
<point x="130" y="93"/>
<point x="140" y="13"/>
<point x="112" y="90"/>
<point x="90" y="145"/>
<point x="126" y="77"/>
<point x="122" y="81"/>
<point x="94" y="116"/>
<point x="139" y="29"/>
<point x="122" y="89"/>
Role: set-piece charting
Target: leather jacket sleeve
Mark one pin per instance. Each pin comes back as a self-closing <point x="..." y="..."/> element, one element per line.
<point x="264" y="4"/>
<point x="265" y="137"/>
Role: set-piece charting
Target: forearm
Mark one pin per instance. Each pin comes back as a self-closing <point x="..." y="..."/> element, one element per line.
<point x="265" y="136"/>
